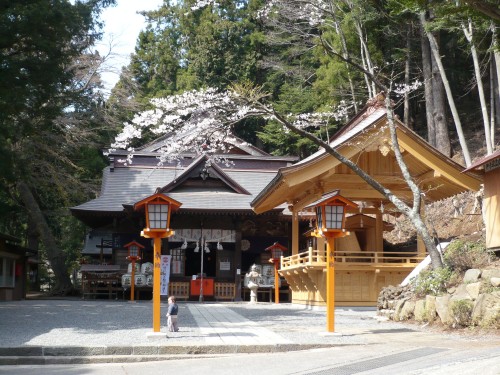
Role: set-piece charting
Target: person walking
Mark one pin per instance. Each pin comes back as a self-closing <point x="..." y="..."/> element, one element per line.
<point x="172" y="311"/>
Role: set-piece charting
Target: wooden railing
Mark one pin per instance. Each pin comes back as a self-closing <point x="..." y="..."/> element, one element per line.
<point x="179" y="289"/>
<point x="94" y="284"/>
<point x="222" y="291"/>
<point x="225" y="291"/>
<point x="318" y="258"/>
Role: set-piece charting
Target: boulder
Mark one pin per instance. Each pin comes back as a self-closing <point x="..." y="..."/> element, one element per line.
<point x="420" y="313"/>
<point x="461" y="293"/>
<point x="442" y="309"/>
<point x="489" y="273"/>
<point x="407" y="310"/>
<point x="473" y="289"/>
<point x="486" y="310"/>
<point x="430" y="308"/>
<point x="397" y="308"/>
<point x="495" y="281"/>
<point x="472" y="275"/>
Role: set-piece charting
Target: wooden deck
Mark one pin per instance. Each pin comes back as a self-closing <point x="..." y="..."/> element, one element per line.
<point x="360" y="275"/>
<point x="369" y="259"/>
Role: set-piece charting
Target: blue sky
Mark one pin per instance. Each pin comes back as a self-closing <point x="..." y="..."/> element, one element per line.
<point x="122" y="26"/>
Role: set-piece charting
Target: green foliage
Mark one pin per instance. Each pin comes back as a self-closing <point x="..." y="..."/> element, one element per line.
<point x="461" y="256"/>
<point x="493" y="322"/>
<point x="432" y="282"/>
<point x="461" y="311"/>
<point x="50" y="109"/>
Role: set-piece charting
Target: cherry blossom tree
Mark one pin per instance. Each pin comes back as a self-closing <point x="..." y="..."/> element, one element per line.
<point x="204" y="119"/>
<point x="203" y="122"/>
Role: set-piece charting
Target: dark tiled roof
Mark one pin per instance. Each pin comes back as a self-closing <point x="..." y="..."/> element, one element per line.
<point x="125" y="186"/>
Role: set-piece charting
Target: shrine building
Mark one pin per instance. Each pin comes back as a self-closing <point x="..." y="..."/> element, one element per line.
<point x="217" y="234"/>
<point x="363" y="263"/>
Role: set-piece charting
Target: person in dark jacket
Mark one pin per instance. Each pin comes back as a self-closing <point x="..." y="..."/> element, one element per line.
<point x="172" y="311"/>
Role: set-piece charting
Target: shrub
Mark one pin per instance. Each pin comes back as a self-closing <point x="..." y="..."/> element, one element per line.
<point x="492" y="322"/>
<point x="461" y="255"/>
<point x="432" y="282"/>
<point x="461" y="311"/>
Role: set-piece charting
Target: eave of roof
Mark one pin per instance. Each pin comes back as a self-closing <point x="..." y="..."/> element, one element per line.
<point x="362" y="120"/>
<point x="371" y="119"/>
<point x="479" y="163"/>
<point x="230" y="183"/>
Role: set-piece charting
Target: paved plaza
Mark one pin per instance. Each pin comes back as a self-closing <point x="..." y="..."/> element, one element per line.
<point x="82" y="331"/>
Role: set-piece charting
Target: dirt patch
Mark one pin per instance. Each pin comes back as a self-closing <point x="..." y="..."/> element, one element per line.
<point x="455" y="217"/>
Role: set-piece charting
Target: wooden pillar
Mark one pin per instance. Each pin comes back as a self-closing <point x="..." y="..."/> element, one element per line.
<point x="295" y="232"/>
<point x="491" y="208"/>
<point x="237" y="261"/>
<point x="321" y="246"/>
<point x="156" y="283"/>
<point x="330" y="285"/>
<point x="379" y="234"/>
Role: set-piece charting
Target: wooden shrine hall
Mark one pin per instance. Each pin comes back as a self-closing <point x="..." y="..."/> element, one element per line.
<point x="217" y="234"/>
<point x="363" y="265"/>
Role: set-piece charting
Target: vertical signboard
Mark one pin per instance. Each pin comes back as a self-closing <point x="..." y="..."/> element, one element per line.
<point x="165" y="274"/>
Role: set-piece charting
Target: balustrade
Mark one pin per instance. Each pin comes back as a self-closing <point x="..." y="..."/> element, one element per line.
<point x="313" y="257"/>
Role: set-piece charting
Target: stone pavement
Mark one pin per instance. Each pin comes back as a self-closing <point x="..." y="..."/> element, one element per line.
<point x="54" y="331"/>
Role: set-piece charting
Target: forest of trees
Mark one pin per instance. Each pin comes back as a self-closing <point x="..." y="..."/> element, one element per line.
<point x="309" y="56"/>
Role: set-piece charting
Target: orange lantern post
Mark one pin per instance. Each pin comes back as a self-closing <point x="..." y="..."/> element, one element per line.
<point x="277" y="251"/>
<point x="134" y="256"/>
<point x="158" y="208"/>
<point x="330" y="223"/>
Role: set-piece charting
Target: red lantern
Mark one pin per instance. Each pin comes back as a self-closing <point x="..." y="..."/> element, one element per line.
<point x="134" y="250"/>
<point x="277" y="251"/>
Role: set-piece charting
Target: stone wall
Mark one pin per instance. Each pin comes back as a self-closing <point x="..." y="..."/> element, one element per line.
<point x="474" y="302"/>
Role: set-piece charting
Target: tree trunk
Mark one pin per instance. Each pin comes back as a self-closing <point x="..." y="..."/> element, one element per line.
<point x="345" y="52"/>
<point x="429" y="101"/>
<point x="406" y="119"/>
<point x="480" y="89"/>
<point x="442" y="135"/>
<point x="458" y="125"/>
<point x="492" y="100"/>
<point x="33" y="244"/>
<point x="496" y="69"/>
<point x="54" y="255"/>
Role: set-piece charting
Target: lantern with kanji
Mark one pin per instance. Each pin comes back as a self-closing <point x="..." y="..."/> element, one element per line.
<point x="330" y="212"/>
<point x="158" y="208"/>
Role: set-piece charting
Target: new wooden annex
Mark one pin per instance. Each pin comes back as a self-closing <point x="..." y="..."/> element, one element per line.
<point x="489" y="168"/>
<point x="216" y="231"/>
<point x="363" y="265"/>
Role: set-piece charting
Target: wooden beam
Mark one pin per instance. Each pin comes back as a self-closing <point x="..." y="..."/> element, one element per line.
<point x="438" y="164"/>
<point x="356" y="194"/>
<point x="322" y="165"/>
<point x="350" y="178"/>
<point x="306" y="198"/>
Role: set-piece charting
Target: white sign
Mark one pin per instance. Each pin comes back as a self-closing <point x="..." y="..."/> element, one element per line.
<point x="492" y="164"/>
<point x="164" y="274"/>
<point x="225" y="266"/>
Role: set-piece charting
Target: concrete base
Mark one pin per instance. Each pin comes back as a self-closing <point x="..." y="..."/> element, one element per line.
<point x="325" y="334"/>
<point x="156" y="336"/>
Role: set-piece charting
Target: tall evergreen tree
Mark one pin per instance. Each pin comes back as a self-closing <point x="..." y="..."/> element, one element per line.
<point x="47" y="86"/>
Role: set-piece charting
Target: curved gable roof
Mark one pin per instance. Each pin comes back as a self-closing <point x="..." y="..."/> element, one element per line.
<point x="366" y="140"/>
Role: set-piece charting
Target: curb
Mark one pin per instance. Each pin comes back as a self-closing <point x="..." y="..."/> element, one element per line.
<point x="41" y="355"/>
